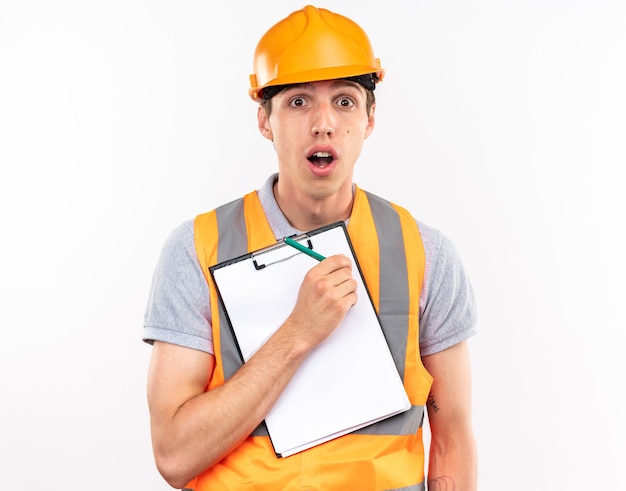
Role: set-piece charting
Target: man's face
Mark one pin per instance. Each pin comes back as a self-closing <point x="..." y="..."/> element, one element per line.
<point x="318" y="130"/>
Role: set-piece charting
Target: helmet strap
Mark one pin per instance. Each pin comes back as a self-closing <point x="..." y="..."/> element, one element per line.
<point x="368" y="80"/>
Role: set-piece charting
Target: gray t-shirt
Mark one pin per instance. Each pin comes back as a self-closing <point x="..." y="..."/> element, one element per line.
<point x="179" y="310"/>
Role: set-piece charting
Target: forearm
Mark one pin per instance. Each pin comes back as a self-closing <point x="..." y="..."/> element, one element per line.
<point x="209" y="425"/>
<point x="453" y="464"/>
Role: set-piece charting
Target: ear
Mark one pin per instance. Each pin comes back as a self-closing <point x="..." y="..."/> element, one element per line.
<point x="264" y="123"/>
<point x="371" y="122"/>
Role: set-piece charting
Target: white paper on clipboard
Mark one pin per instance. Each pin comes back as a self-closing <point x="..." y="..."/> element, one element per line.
<point x="349" y="381"/>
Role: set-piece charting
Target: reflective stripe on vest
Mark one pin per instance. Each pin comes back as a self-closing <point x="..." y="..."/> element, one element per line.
<point x="384" y="456"/>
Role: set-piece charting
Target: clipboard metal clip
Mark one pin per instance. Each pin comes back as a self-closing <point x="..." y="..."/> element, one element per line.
<point x="258" y="266"/>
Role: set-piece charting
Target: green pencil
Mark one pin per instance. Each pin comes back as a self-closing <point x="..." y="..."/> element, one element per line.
<point x="301" y="248"/>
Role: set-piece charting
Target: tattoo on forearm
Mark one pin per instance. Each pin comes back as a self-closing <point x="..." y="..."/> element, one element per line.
<point x="441" y="484"/>
<point x="432" y="404"/>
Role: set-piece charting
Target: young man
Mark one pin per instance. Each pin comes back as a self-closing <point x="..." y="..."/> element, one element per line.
<point x="315" y="74"/>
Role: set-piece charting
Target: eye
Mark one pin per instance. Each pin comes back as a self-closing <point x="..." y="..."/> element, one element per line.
<point x="297" y="102"/>
<point x="345" y="102"/>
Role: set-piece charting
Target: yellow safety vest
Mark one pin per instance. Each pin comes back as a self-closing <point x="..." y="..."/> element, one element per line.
<point x="385" y="456"/>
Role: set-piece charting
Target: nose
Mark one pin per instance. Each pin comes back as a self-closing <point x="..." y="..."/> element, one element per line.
<point x="323" y="122"/>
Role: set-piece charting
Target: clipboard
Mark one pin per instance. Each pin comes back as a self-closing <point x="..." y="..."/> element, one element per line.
<point x="346" y="383"/>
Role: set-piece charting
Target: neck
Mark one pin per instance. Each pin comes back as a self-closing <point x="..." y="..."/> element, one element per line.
<point x="308" y="212"/>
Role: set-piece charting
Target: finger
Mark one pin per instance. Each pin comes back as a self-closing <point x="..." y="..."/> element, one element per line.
<point x="346" y="289"/>
<point x="333" y="263"/>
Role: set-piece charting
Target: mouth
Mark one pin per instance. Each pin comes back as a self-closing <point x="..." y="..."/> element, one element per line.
<point x="321" y="159"/>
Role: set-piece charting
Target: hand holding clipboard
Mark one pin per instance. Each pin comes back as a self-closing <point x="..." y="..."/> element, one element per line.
<point x="326" y="294"/>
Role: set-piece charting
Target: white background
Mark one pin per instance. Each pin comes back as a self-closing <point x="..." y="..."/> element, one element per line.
<point x="502" y="123"/>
